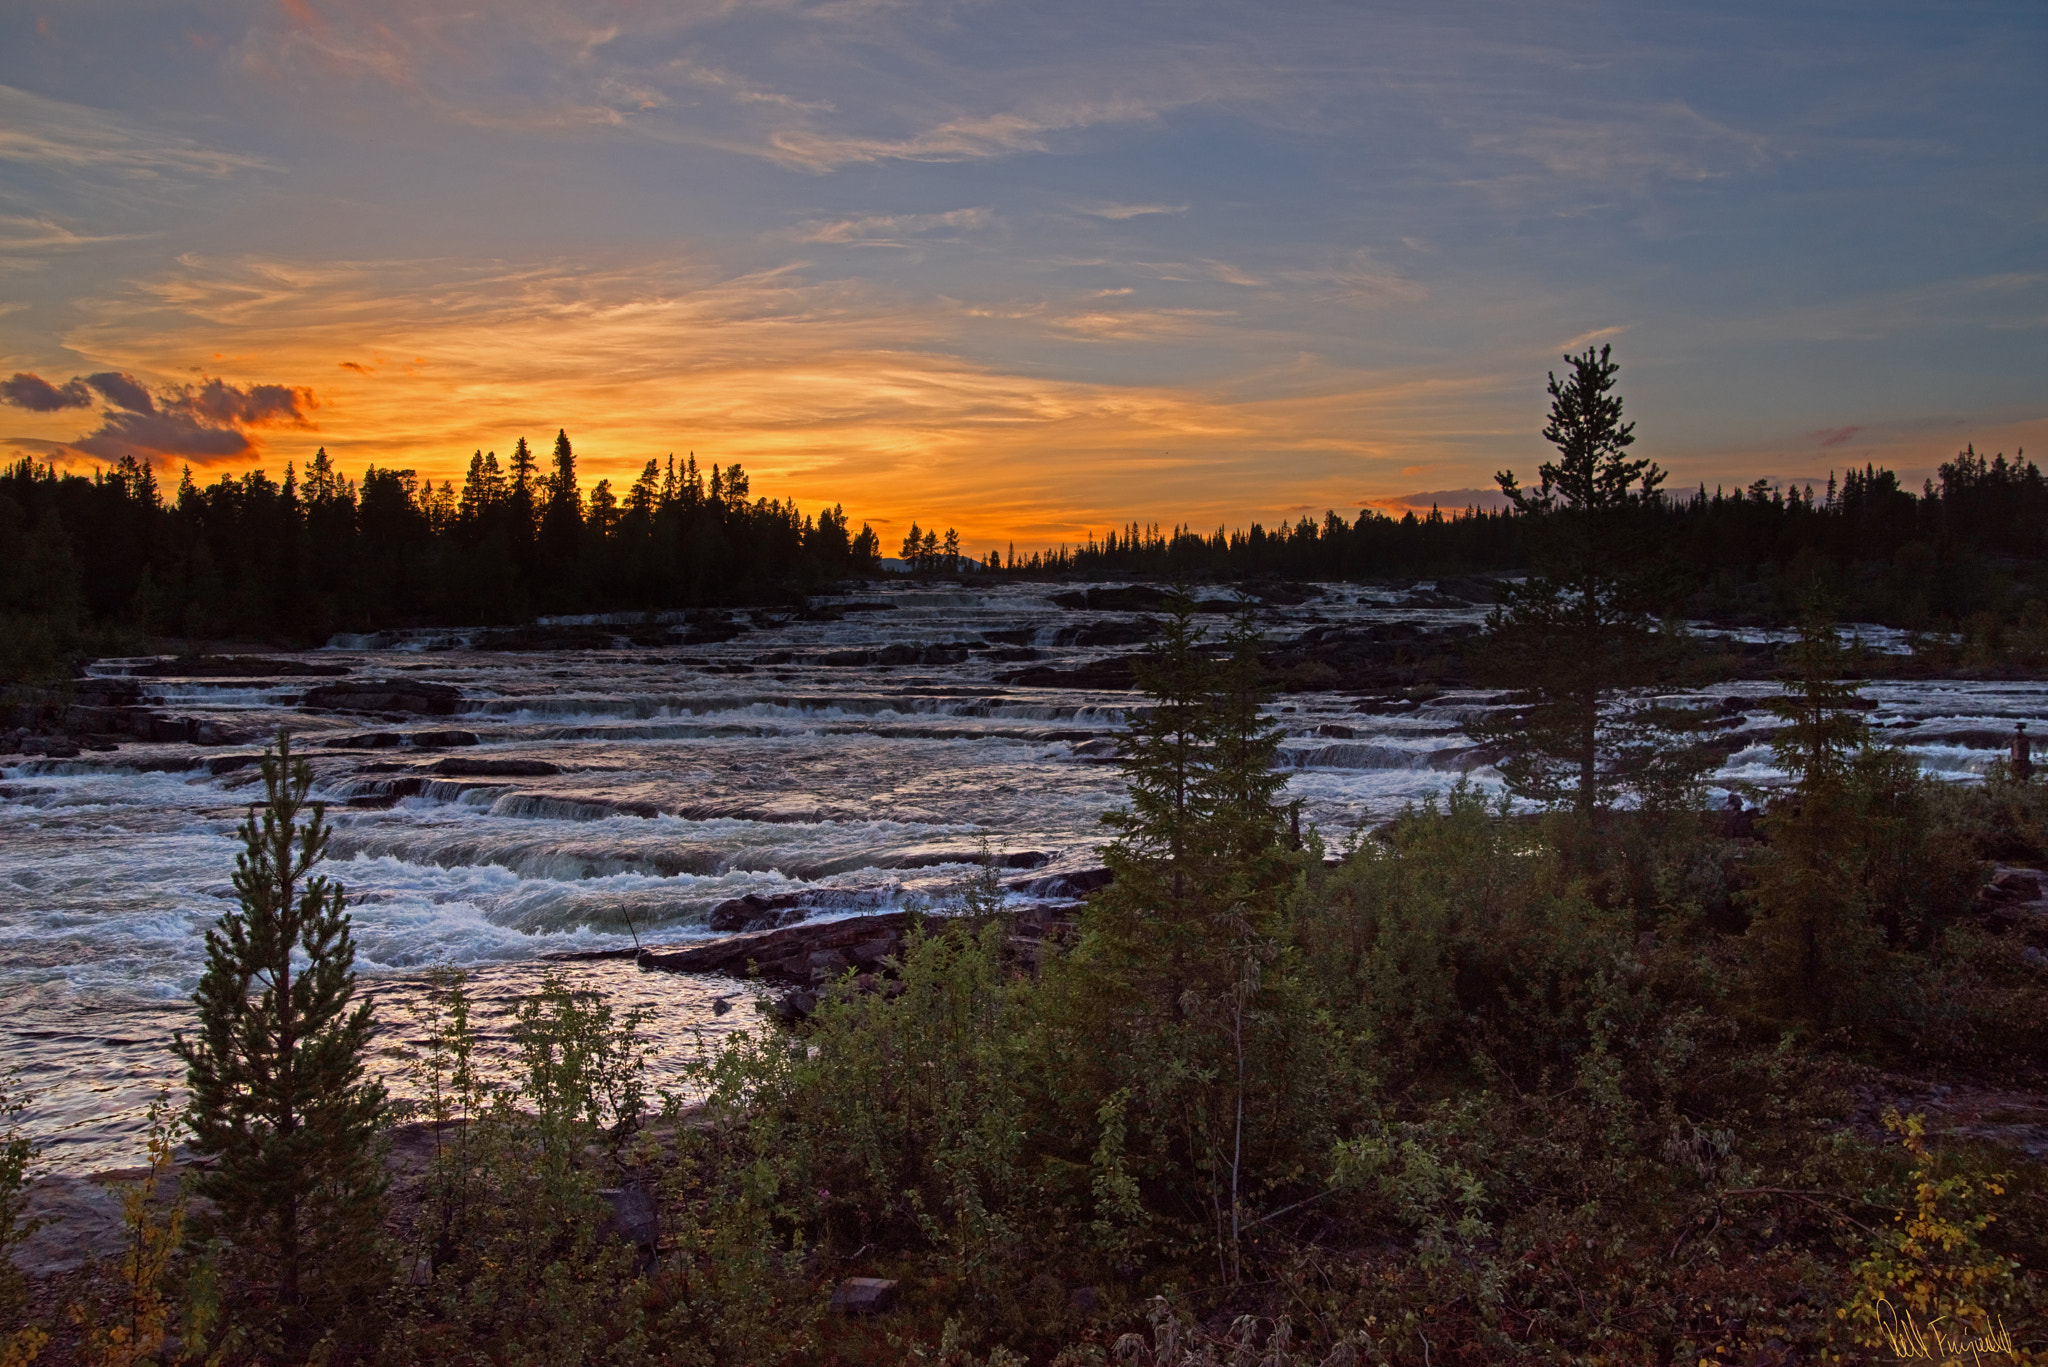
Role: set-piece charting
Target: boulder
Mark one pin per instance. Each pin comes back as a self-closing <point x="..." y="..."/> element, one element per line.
<point x="754" y="912"/>
<point x="440" y="740"/>
<point x="631" y="1219"/>
<point x="864" y="1296"/>
<point x="1470" y="589"/>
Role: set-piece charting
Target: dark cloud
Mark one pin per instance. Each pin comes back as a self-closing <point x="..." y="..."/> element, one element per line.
<point x="208" y="421"/>
<point x="122" y="391"/>
<point x="38" y="395"/>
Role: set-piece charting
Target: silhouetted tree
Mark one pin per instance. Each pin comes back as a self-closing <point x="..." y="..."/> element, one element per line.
<point x="1580" y="628"/>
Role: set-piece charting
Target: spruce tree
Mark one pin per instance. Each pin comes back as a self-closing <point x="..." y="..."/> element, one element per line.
<point x="1579" y="629"/>
<point x="279" y="1102"/>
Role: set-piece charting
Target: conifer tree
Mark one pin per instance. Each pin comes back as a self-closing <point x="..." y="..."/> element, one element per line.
<point x="522" y="497"/>
<point x="1579" y="629"/>
<point x="1822" y="727"/>
<point x="279" y="1098"/>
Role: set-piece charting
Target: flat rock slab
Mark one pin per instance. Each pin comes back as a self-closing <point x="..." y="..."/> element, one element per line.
<point x="387" y="695"/>
<point x="81" y="1224"/>
<point x="791" y="953"/>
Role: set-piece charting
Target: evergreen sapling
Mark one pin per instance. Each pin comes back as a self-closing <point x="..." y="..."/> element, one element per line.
<point x="279" y="1099"/>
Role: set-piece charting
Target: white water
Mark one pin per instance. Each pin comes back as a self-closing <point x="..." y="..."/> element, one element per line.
<point x="859" y="786"/>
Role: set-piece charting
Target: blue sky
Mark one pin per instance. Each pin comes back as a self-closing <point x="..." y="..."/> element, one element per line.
<point x="1027" y="269"/>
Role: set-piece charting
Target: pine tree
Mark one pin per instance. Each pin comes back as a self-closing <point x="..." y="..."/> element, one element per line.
<point x="523" y="498"/>
<point x="1579" y="629"/>
<point x="279" y="1099"/>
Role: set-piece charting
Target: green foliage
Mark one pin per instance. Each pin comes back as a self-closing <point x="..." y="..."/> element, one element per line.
<point x="18" y="1155"/>
<point x="509" y="1263"/>
<point x="279" y="1099"/>
<point x="897" y="1117"/>
<point x="584" y="1071"/>
<point x="1928" y="1285"/>
<point x="1857" y="870"/>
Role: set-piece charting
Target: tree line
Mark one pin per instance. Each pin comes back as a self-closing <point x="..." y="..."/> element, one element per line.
<point x="295" y="560"/>
<point x="1972" y="540"/>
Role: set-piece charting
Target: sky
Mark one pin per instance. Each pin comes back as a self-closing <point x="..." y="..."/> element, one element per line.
<point x="1032" y="269"/>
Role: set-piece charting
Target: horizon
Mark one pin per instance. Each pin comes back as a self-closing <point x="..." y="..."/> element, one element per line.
<point x="1029" y="274"/>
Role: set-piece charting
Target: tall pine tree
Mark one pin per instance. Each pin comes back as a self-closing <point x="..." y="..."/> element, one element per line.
<point x="1579" y="630"/>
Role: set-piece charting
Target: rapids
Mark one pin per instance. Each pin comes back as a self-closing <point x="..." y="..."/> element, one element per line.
<point x="617" y="795"/>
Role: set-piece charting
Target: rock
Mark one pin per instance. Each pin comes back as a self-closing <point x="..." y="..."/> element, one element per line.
<point x="82" y="1223"/>
<point x="1077" y="884"/>
<point x="1130" y="633"/>
<point x="632" y="1220"/>
<point x="366" y="740"/>
<point x="235" y="667"/>
<point x="1471" y="590"/>
<point x="783" y="955"/>
<point x="387" y="695"/>
<point x="864" y="1296"/>
<point x="792" y="1007"/>
<point x="493" y="768"/>
<point x="440" y="740"/>
<point x="1114" y="673"/>
<point x="753" y="912"/>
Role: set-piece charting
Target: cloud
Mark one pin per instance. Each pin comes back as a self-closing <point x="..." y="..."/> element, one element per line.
<point x="1670" y="141"/>
<point x="58" y="135"/>
<point x="966" y="138"/>
<point x="122" y="391"/>
<point x="38" y="395"/>
<point x="20" y="234"/>
<point x="1120" y="212"/>
<point x="211" y="420"/>
<point x="1360" y="281"/>
<point x="1835" y="436"/>
<point x="889" y="229"/>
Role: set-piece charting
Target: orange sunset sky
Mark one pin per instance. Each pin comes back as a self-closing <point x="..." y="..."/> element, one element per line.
<point x="1030" y="270"/>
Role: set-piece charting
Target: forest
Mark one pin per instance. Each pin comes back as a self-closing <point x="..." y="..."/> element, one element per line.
<point x="90" y="561"/>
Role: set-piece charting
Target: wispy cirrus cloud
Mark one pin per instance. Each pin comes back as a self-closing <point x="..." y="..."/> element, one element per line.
<point x="891" y="229"/>
<point x="1119" y="213"/>
<point x="967" y="137"/>
<point x="58" y="135"/>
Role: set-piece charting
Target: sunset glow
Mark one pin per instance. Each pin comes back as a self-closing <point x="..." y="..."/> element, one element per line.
<point x="1031" y="272"/>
